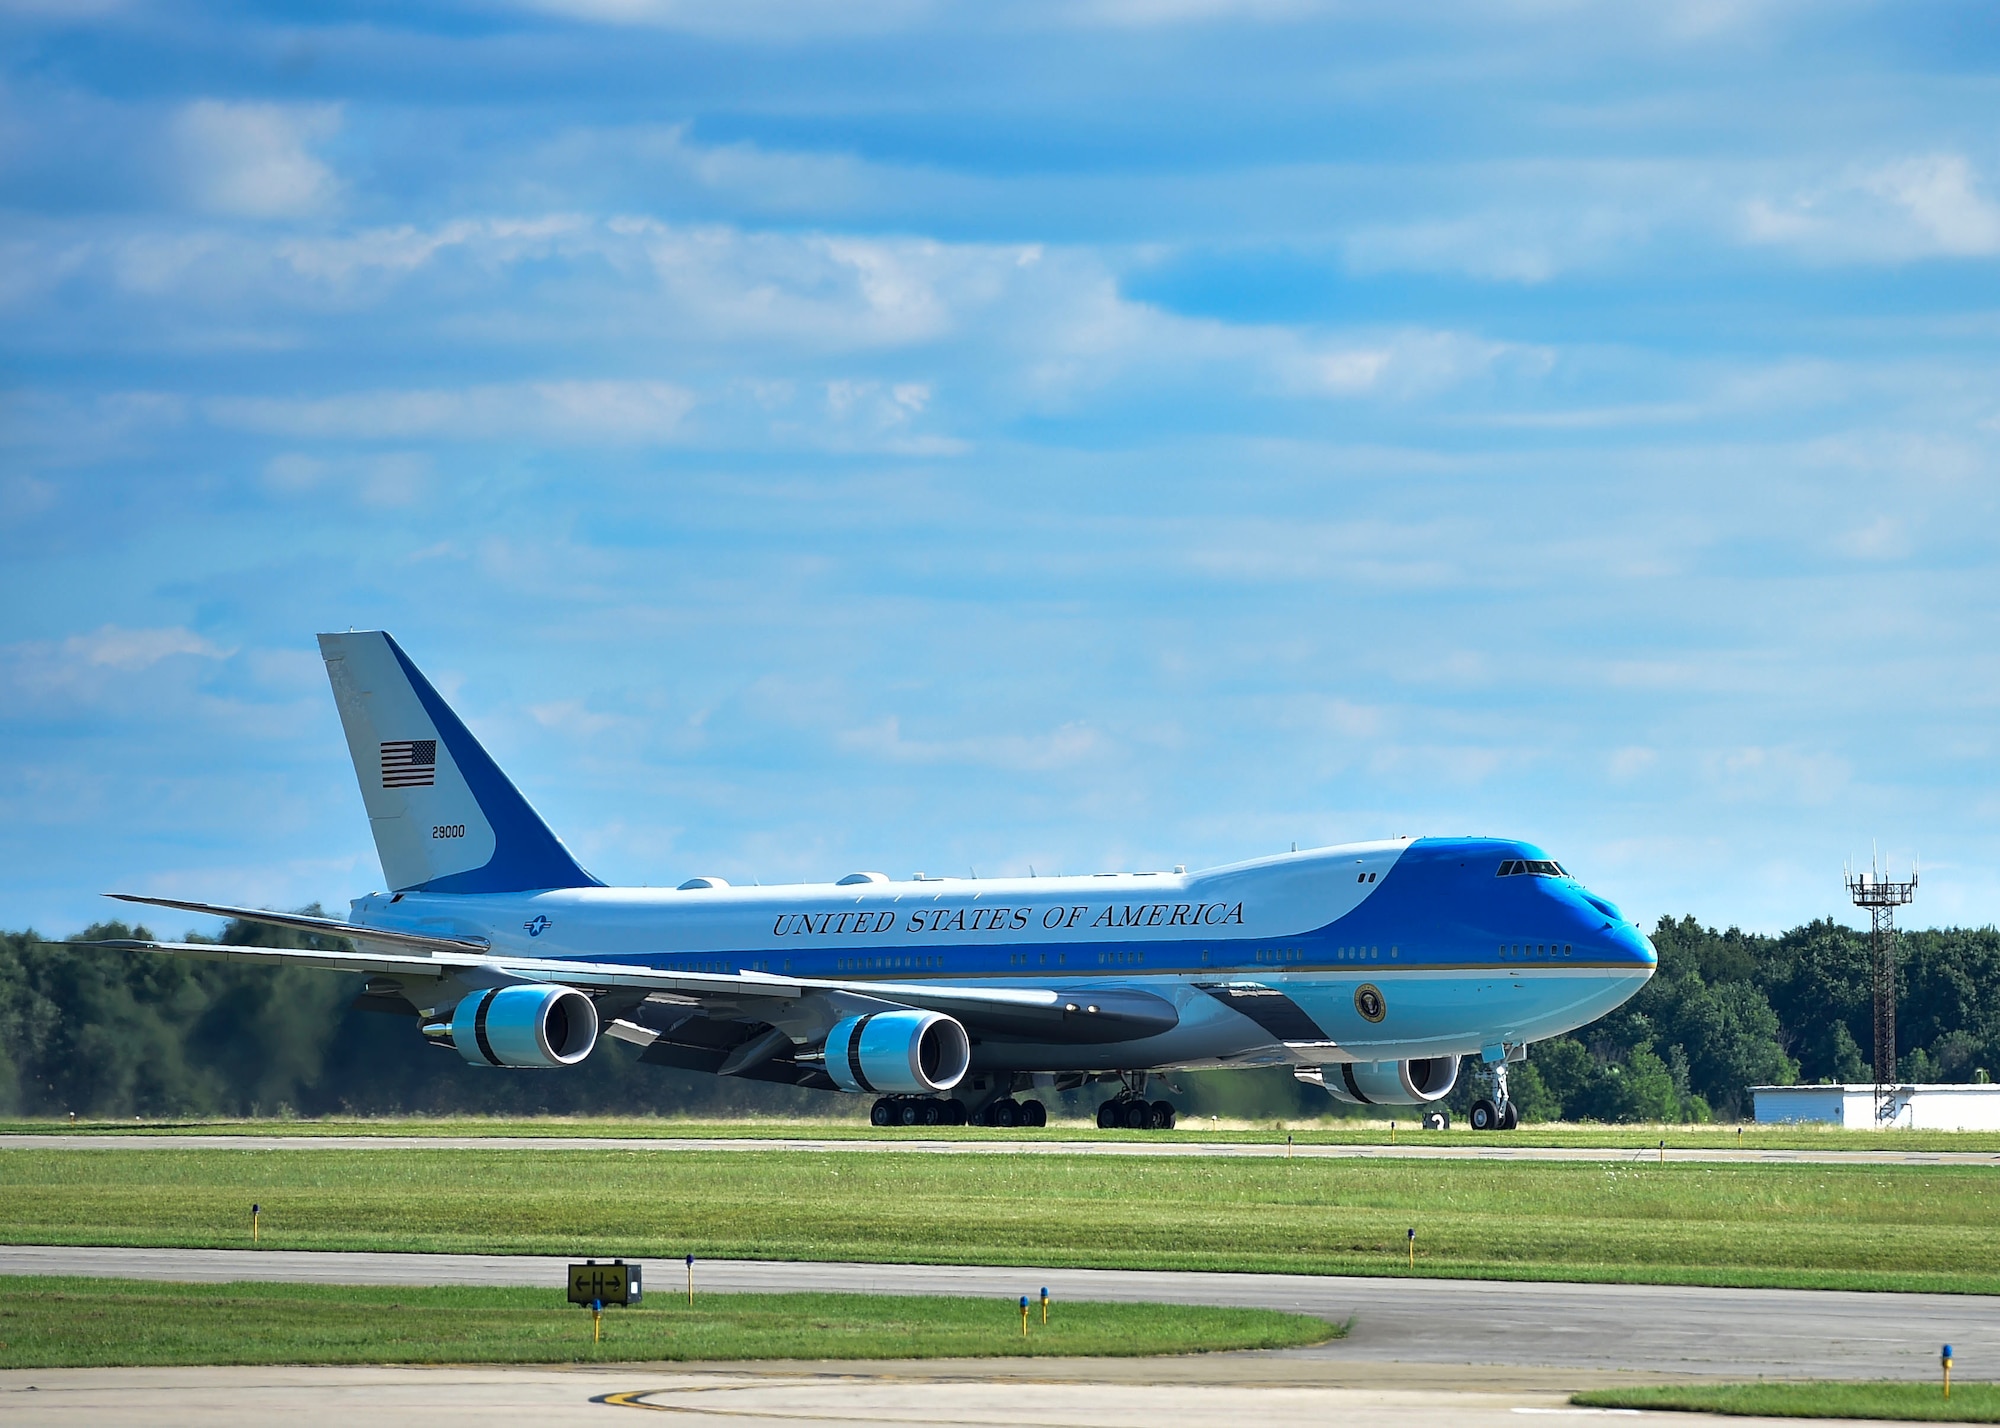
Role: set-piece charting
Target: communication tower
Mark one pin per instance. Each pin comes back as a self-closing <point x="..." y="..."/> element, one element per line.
<point x="1882" y="895"/>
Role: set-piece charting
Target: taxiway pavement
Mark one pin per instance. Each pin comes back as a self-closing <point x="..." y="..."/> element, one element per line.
<point x="1417" y="1147"/>
<point x="1058" y="1393"/>
<point x="1417" y="1324"/>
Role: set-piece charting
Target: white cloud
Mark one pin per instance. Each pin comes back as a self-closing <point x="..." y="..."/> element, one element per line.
<point x="397" y="478"/>
<point x="1063" y="747"/>
<point x="1884" y="538"/>
<point x="135" y="649"/>
<point x="1940" y="196"/>
<point x="97" y="670"/>
<point x="253" y="160"/>
<point x="784" y="20"/>
<point x="601" y="412"/>
<point x="1922" y="207"/>
<point x="1534" y="246"/>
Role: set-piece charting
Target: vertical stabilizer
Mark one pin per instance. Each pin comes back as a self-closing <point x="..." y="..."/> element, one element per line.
<point x="445" y="818"/>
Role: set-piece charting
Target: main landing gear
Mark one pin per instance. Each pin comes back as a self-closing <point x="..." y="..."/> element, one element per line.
<point x="1498" y="1112"/>
<point x="1135" y="1113"/>
<point x="930" y="1111"/>
<point x="1130" y="1110"/>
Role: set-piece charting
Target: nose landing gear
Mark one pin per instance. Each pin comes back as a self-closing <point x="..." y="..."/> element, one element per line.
<point x="1498" y="1112"/>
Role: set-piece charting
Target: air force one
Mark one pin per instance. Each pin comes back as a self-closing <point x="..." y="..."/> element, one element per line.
<point x="1370" y="969"/>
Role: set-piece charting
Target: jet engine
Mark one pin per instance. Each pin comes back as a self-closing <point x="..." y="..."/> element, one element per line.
<point x="1391" y="1083"/>
<point x="905" y="1052"/>
<point x="526" y="1025"/>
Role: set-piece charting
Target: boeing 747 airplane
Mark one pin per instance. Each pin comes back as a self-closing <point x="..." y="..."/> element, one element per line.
<point x="1370" y="969"/>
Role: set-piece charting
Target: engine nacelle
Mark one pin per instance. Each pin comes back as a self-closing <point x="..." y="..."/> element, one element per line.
<point x="527" y="1025"/>
<point x="900" y="1052"/>
<point x="1391" y="1083"/>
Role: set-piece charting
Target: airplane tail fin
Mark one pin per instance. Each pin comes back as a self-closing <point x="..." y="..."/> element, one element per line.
<point x="445" y="818"/>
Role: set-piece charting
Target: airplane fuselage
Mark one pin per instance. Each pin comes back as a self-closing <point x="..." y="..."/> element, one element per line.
<point x="1370" y="952"/>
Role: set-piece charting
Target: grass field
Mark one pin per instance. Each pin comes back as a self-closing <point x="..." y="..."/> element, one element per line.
<point x="51" y="1323"/>
<point x="1969" y="1402"/>
<point x="1328" y="1132"/>
<point x="1808" y="1226"/>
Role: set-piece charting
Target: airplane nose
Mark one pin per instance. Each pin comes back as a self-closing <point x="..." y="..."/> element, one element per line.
<point x="1635" y="944"/>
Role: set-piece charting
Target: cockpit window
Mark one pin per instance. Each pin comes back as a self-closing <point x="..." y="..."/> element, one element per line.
<point x="1531" y="867"/>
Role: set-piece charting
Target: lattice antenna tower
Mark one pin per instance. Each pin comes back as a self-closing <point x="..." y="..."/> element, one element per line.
<point x="1879" y="892"/>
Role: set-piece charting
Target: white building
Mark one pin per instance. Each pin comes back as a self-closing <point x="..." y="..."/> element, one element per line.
<point x="1916" y="1107"/>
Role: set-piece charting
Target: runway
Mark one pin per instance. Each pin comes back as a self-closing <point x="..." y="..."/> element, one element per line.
<point x="1414" y="1149"/>
<point x="1417" y="1325"/>
<point x="1094" y="1393"/>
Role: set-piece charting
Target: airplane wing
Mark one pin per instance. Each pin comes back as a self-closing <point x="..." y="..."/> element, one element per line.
<point x="1038" y="1013"/>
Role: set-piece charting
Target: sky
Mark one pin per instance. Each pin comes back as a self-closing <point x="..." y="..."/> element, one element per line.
<point x="993" y="438"/>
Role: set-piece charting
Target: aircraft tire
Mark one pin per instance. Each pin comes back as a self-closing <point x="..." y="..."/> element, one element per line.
<point x="1110" y="1115"/>
<point x="909" y="1113"/>
<point x="933" y="1113"/>
<point x="1162" y="1117"/>
<point x="1483" y="1116"/>
<point x="1005" y="1113"/>
<point x="1138" y="1116"/>
<point x="954" y="1112"/>
<point x="881" y="1113"/>
<point x="1510" y="1117"/>
<point x="1034" y="1113"/>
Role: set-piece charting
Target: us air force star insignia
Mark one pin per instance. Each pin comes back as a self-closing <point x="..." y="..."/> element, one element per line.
<point x="1368" y="1001"/>
<point x="536" y="925"/>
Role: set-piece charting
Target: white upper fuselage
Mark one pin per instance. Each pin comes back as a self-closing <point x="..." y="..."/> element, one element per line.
<point x="1424" y="922"/>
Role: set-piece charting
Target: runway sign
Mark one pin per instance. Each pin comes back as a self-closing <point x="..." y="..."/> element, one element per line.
<point x="593" y="1283"/>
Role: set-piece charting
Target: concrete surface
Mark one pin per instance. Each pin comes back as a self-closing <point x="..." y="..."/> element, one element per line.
<point x="1078" y="1394"/>
<point x="1413" y="1147"/>
<point x="1418" y="1325"/>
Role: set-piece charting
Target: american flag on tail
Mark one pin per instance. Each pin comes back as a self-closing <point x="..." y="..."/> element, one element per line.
<point x="409" y="763"/>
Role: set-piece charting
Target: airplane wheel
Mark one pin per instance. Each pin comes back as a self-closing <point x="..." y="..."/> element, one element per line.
<point x="1162" y="1117"/>
<point x="954" y="1112"/>
<point x="1437" y="1120"/>
<point x="1034" y="1113"/>
<point x="1483" y="1115"/>
<point x="1110" y="1115"/>
<point x="933" y="1112"/>
<point x="1005" y="1113"/>
<point x="1509" y="1118"/>
<point x="879" y="1114"/>
<point x="1138" y="1116"/>
<point x="908" y="1113"/>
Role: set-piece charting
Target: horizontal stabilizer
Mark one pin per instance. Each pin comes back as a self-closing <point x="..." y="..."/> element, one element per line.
<point x="306" y="922"/>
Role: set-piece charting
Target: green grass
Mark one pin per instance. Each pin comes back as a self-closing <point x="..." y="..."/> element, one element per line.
<point x="1924" y="1402"/>
<point x="1931" y="1228"/>
<point x="1316" y="1132"/>
<point x="67" y="1323"/>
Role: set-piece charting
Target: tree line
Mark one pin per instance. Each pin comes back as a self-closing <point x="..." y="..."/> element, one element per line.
<point x="105" y="1033"/>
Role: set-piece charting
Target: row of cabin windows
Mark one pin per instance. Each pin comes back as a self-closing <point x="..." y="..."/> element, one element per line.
<point x="1525" y="951"/>
<point x="725" y="969"/>
<point x="1041" y="959"/>
<point x="1530" y="867"/>
<point x="889" y="964"/>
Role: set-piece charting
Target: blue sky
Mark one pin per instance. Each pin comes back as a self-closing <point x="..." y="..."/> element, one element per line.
<point x="966" y="438"/>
